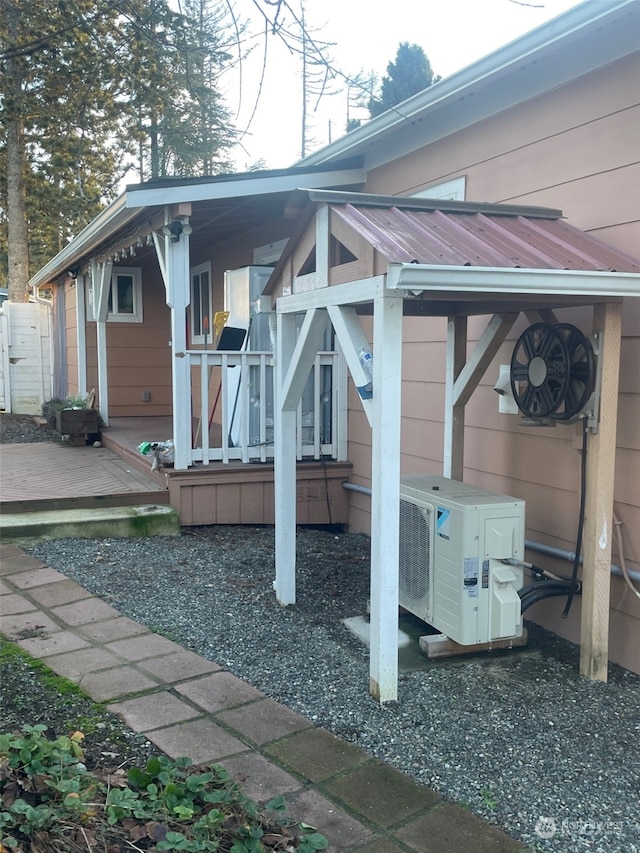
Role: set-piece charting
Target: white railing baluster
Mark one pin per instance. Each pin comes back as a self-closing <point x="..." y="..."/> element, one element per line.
<point x="317" y="406"/>
<point x="254" y="439"/>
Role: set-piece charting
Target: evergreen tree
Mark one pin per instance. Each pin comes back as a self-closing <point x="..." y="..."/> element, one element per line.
<point x="89" y="86"/>
<point x="410" y="73"/>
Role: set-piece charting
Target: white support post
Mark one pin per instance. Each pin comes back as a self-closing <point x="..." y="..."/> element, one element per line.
<point x="101" y="279"/>
<point x="453" y="461"/>
<point x="285" y="466"/>
<point x="81" y="335"/>
<point x="385" y="497"/>
<point x="322" y="245"/>
<point x="177" y="283"/>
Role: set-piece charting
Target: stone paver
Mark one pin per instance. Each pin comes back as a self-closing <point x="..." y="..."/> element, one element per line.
<point x="219" y="691"/>
<point x="15" y="604"/>
<point x="17" y="561"/>
<point x="200" y="740"/>
<point x="316" y="754"/>
<point x="5" y="589"/>
<point x="263" y="721"/>
<point x="85" y="611"/>
<point x="147" y="646"/>
<point x="74" y="664"/>
<point x="450" y="829"/>
<point x="153" y="711"/>
<point x="36" y="577"/>
<point x="260" y="779"/>
<point x="381" y="794"/>
<point x="114" y="683"/>
<point x="21" y="626"/>
<point x="383" y="845"/>
<point x="63" y="592"/>
<point x="63" y="641"/>
<point x="178" y="667"/>
<point x="112" y="629"/>
<point x="340" y="828"/>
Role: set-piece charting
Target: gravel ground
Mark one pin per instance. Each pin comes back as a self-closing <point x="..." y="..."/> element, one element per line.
<point x="22" y="429"/>
<point x="517" y="737"/>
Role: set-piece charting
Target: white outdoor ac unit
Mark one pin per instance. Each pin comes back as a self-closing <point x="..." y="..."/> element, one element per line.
<point x="453" y="539"/>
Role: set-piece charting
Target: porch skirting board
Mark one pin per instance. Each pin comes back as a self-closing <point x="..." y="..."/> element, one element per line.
<point x="236" y="492"/>
<point x="243" y="494"/>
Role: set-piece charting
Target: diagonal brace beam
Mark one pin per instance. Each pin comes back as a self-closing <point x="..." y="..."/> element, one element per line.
<point x="303" y="356"/>
<point x="483" y="354"/>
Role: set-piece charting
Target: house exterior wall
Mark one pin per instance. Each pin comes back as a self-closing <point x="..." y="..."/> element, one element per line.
<point x="575" y="149"/>
<point x="139" y="354"/>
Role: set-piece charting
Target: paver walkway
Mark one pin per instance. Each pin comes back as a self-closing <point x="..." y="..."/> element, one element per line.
<point x="190" y="706"/>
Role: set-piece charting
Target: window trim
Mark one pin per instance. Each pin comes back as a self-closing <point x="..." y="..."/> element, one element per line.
<point x="198" y="270"/>
<point x="113" y="316"/>
<point x="452" y="190"/>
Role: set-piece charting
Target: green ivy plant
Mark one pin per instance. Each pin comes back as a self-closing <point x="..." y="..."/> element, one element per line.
<point x="47" y="793"/>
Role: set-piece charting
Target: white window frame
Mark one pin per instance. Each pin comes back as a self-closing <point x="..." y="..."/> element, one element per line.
<point x="453" y="190"/>
<point x="114" y="316"/>
<point x="193" y="272"/>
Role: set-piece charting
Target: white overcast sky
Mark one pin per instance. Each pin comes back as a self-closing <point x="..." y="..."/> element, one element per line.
<point x="366" y="35"/>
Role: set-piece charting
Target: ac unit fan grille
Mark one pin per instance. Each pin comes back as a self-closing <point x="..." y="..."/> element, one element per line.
<point x="415" y="552"/>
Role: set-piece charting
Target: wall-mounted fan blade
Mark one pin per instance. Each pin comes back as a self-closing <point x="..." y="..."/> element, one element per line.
<point x="581" y="372"/>
<point x="540" y="372"/>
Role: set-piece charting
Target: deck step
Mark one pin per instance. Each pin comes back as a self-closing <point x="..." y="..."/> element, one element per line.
<point x="9" y="507"/>
<point x="104" y="523"/>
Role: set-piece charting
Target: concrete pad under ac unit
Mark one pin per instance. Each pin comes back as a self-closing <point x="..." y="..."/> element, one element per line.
<point x="361" y="628"/>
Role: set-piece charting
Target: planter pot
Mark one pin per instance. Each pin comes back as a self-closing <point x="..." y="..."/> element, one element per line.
<point x="77" y="421"/>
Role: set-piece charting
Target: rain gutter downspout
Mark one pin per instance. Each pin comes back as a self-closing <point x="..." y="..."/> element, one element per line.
<point x="539" y="547"/>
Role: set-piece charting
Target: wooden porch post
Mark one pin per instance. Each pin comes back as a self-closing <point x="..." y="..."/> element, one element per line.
<point x="594" y="645"/>
<point x="453" y="462"/>
<point x="285" y="466"/>
<point x="385" y="496"/>
<point x="178" y="286"/>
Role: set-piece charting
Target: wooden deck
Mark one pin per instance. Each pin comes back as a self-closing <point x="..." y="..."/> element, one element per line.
<point x="52" y="475"/>
<point x="233" y="493"/>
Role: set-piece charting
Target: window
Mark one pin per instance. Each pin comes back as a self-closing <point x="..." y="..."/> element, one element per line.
<point x="125" y="297"/>
<point x="200" y="302"/>
<point x="452" y="190"/>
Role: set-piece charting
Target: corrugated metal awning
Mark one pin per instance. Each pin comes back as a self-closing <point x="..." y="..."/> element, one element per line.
<point x="462" y="234"/>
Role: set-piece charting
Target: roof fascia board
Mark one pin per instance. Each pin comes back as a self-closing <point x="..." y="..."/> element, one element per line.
<point x="553" y="69"/>
<point x="263" y="185"/>
<point x="534" y="282"/>
<point x="113" y="217"/>
<point x="426" y="204"/>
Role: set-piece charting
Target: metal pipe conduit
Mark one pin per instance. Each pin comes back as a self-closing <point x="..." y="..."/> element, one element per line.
<point x="539" y="547"/>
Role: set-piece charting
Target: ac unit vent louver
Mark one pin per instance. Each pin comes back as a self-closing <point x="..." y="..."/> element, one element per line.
<point x="415" y="533"/>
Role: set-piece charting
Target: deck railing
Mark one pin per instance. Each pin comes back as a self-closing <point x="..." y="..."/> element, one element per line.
<point x="232" y="414"/>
